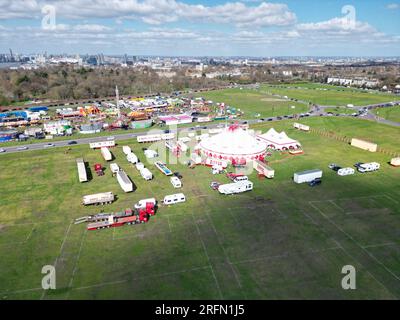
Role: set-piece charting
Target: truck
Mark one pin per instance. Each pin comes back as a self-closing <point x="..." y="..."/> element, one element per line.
<point x="81" y="170"/>
<point x="106" y="153"/>
<point x="132" y="158"/>
<point x="236" y="187"/>
<point x="124" y="181"/>
<point x="146" y="174"/>
<point x="98" y="198"/>
<point x="141" y="204"/>
<point x="126" y="150"/>
<point x="98" y="168"/>
<point x="114" y="168"/>
<point x="368" y="167"/>
<point x="115" y="221"/>
<point x="307" y="176"/>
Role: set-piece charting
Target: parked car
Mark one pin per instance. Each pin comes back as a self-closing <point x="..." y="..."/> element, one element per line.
<point x="178" y="175"/>
<point x="214" y="185"/>
<point x="315" y="182"/>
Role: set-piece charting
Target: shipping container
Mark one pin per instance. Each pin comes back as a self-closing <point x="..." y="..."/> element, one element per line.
<point x="81" y="170"/>
<point x="124" y="181"/>
<point x="106" y="153"/>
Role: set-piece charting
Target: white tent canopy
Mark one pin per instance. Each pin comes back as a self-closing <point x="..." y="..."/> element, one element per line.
<point x="278" y="141"/>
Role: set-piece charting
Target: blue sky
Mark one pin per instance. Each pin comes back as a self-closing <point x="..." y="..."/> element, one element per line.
<point x="202" y="27"/>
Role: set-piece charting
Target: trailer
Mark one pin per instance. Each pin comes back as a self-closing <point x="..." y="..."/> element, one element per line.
<point x="368" y="167"/>
<point x="126" y="150"/>
<point x="98" y="198"/>
<point x="124" y="181"/>
<point x="81" y="170"/>
<point x="237" y="187"/>
<point x="106" y="153"/>
<point x="98" y="145"/>
<point x="132" y="158"/>
<point x="345" y="171"/>
<point x="114" y="221"/>
<point x="263" y="169"/>
<point x="146" y="174"/>
<point x="395" y="162"/>
<point x="174" y="198"/>
<point x="150" y="154"/>
<point x="307" y="176"/>
<point x="163" y="168"/>
<point x="300" y="126"/>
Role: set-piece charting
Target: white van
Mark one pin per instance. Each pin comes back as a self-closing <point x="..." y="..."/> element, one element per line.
<point x="174" y="198"/>
<point x="345" y="171"/>
<point x="114" y="167"/>
<point x="240" y="178"/>
<point x="142" y="203"/>
<point x="176" y="182"/>
<point x="146" y="174"/>
<point x="139" y="166"/>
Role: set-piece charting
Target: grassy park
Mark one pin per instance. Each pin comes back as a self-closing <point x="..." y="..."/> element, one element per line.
<point x="281" y="240"/>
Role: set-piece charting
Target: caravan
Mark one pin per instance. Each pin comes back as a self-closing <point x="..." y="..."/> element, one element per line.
<point x="176" y="182"/>
<point x="368" y="167"/>
<point x="132" y="158"/>
<point x="345" y="171"/>
<point x="146" y="174"/>
<point x="174" y="198"/>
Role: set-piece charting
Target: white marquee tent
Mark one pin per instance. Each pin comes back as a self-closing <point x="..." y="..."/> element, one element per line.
<point x="278" y="141"/>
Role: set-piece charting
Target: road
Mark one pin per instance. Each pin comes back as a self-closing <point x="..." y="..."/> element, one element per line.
<point x="317" y="110"/>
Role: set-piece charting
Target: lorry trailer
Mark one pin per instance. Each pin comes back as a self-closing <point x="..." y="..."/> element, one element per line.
<point x="307" y="176"/>
<point x="98" y="198"/>
<point x="106" y="153"/>
<point x="114" y="221"/>
<point x="237" y="187"/>
<point x="124" y="181"/>
<point x="81" y="170"/>
<point x="100" y="144"/>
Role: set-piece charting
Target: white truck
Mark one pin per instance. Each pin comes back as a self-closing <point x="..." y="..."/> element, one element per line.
<point x="345" y="171"/>
<point x="368" y="167"/>
<point x="124" y="181"/>
<point x="150" y="154"/>
<point x="132" y="158"/>
<point x="237" y="187"/>
<point x="146" y="174"/>
<point x="106" y="153"/>
<point x="98" y="198"/>
<point x="114" y="168"/>
<point x="307" y="176"/>
<point x="142" y="203"/>
<point x="126" y="150"/>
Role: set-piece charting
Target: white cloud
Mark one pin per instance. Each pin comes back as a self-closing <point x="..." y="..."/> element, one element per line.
<point x="155" y="11"/>
<point x="393" y="6"/>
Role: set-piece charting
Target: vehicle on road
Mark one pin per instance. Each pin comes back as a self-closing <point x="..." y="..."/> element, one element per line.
<point x="72" y="142"/>
<point x="23" y="148"/>
<point x="2" y="150"/>
<point x="110" y="138"/>
<point x="48" y="145"/>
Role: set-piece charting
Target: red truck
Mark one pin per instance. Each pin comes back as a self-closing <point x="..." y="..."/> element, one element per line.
<point x="98" y="168"/>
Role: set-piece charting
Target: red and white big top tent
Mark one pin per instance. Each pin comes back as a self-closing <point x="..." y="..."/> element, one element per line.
<point x="278" y="141"/>
<point x="234" y="145"/>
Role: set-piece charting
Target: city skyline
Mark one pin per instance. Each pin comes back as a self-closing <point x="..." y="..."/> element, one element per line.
<point x="212" y="28"/>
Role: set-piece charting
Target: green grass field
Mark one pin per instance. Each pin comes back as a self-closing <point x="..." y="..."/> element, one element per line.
<point x="254" y="102"/>
<point x="279" y="241"/>
<point x="328" y="95"/>
<point x="389" y="113"/>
